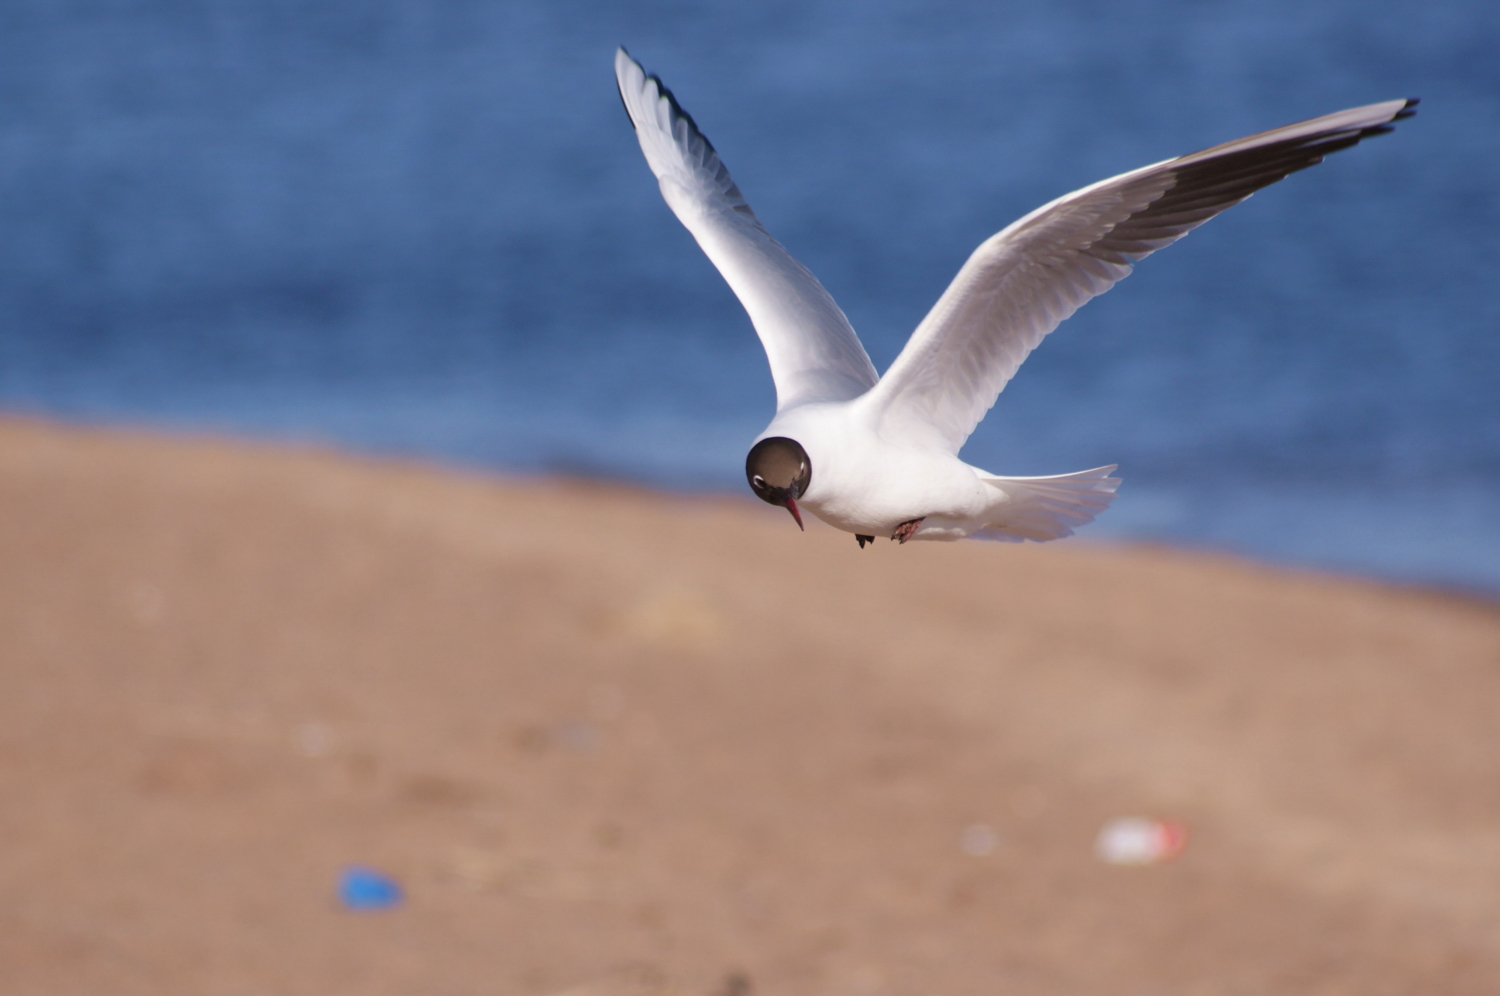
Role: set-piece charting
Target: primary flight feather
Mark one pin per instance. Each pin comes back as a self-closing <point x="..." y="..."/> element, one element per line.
<point x="875" y="455"/>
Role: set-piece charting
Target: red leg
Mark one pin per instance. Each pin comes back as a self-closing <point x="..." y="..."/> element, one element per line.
<point x="906" y="530"/>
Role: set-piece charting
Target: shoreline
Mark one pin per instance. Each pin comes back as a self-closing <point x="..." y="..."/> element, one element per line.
<point x="1099" y="534"/>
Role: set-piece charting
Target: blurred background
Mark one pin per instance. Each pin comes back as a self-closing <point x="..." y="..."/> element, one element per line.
<point x="416" y="227"/>
<point x="275" y="720"/>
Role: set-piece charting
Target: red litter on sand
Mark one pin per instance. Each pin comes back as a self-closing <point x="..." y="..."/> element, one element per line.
<point x="1139" y="840"/>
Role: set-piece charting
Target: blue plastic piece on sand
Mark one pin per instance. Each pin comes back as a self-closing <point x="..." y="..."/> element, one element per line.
<point x="362" y="888"/>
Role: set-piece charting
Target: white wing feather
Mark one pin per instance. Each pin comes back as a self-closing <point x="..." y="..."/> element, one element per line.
<point x="1021" y="283"/>
<point x="813" y="351"/>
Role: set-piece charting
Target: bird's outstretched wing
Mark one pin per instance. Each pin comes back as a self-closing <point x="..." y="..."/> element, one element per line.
<point x="813" y="351"/>
<point x="1021" y="283"/>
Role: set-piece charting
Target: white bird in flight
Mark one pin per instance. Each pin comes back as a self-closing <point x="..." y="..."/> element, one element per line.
<point x="877" y="456"/>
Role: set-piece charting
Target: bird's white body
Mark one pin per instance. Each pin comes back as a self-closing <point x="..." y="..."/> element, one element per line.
<point x="883" y="450"/>
<point x="862" y="483"/>
<point x="865" y="484"/>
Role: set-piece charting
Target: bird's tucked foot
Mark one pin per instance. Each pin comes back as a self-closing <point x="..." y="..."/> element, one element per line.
<point x="863" y="540"/>
<point x="906" y="530"/>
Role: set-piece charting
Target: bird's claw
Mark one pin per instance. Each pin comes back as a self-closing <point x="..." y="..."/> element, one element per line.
<point x="906" y="530"/>
<point x="863" y="540"/>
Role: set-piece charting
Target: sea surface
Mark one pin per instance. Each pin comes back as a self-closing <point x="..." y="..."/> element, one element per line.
<point x="422" y="227"/>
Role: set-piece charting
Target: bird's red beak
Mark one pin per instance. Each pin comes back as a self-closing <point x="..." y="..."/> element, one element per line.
<point x="791" y="506"/>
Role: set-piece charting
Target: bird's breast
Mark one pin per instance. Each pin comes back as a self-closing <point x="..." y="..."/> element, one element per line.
<point x="863" y="484"/>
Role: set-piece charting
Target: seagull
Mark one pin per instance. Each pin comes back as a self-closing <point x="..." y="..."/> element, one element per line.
<point x="878" y="455"/>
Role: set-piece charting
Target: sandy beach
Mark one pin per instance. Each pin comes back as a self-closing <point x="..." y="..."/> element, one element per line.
<point x="614" y="742"/>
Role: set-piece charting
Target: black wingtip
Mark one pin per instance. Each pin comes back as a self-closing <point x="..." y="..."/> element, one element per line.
<point x="1407" y="110"/>
<point x="623" y="105"/>
<point x="671" y="99"/>
<point x="677" y="110"/>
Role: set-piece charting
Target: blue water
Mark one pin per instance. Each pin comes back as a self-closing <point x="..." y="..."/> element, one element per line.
<point x="420" y="227"/>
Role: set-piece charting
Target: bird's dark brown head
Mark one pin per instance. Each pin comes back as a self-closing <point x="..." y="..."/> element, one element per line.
<point x="779" y="472"/>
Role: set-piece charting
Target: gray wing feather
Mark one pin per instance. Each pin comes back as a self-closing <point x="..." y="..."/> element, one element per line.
<point x="1021" y="283"/>
<point x="813" y="351"/>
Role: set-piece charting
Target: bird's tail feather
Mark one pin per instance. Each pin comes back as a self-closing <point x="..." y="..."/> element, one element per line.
<point x="1047" y="508"/>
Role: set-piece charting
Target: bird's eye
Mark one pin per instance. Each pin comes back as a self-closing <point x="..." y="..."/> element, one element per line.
<point x="758" y="481"/>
